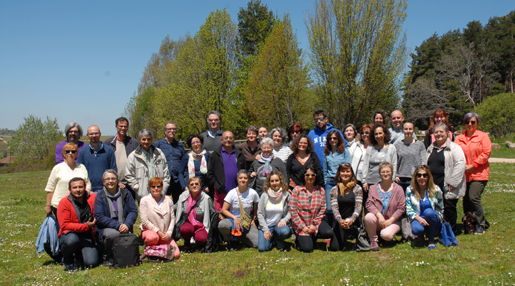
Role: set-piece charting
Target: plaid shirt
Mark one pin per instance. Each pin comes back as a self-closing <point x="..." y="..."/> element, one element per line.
<point x="302" y="212"/>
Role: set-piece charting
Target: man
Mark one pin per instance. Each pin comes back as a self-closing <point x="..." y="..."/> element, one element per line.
<point x="212" y="137"/>
<point x="75" y="216"/>
<point x="174" y="151"/>
<point x="263" y="132"/>
<point x="73" y="133"/>
<point x="123" y="145"/>
<point x="319" y="134"/>
<point x="396" y="133"/>
<point x="97" y="158"/>
<point x="222" y="168"/>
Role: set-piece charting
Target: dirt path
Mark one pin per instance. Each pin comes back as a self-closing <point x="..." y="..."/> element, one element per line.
<point x="501" y="160"/>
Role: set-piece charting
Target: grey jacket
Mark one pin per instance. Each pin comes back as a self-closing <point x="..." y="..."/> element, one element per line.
<point x="258" y="181"/>
<point x="391" y="156"/>
<point x="454" y="169"/>
<point x="204" y="208"/>
<point x="262" y="210"/>
<point x="136" y="171"/>
<point x="356" y="153"/>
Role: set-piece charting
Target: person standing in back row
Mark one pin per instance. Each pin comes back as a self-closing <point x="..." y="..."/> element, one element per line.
<point x="73" y="133"/>
<point x="396" y="131"/>
<point x="319" y="134"/>
<point x="213" y="135"/>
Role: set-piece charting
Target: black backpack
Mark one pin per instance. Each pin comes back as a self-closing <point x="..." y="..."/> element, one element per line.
<point x="126" y="250"/>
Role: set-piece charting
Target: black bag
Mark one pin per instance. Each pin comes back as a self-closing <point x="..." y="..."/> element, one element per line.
<point x="176" y="234"/>
<point x="126" y="250"/>
<point x="214" y="238"/>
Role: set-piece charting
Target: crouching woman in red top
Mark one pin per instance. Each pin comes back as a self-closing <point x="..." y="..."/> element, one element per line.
<point x="75" y="216"/>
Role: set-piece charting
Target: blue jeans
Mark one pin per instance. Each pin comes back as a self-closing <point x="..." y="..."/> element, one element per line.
<point x="278" y="233"/>
<point x="432" y="219"/>
<point x="328" y="186"/>
<point x="83" y="248"/>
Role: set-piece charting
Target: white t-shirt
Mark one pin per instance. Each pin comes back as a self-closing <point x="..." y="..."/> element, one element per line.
<point x="247" y="200"/>
<point x="274" y="211"/>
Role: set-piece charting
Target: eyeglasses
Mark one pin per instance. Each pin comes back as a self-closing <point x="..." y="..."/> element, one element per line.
<point x="310" y="175"/>
<point x="93" y="134"/>
<point x="214" y="120"/>
<point x="228" y="138"/>
<point x="319" y="119"/>
<point x="422" y="175"/>
<point x="171" y="129"/>
<point x="70" y="151"/>
<point x="345" y="164"/>
<point x="293" y="132"/>
<point x="470" y="122"/>
<point x="156" y="186"/>
<point x="365" y="132"/>
<point x="73" y="132"/>
<point x="195" y="142"/>
<point x="194" y="184"/>
<point x="333" y="138"/>
<point x="110" y="179"/>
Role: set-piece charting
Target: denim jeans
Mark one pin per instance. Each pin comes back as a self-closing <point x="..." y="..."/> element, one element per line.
<point x="432" y="219"/>
<point x="278" y="233"/>
<point x="83" y="248"/>
<point x="328" y="186"/>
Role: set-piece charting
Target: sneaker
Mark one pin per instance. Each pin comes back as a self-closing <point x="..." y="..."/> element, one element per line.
<point x="374" y="246"/>
<point x="479" y="230"/>
<point x="280" y="245"/>
<point x="107" y="261"/>
<point x="71" y="268"/>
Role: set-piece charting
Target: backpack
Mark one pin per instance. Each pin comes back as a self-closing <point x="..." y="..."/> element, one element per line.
<point x="126" y="250"/>
<point x="214" y="238"/>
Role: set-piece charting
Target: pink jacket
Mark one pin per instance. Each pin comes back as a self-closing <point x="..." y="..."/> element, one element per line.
<point x="157" y="218"/>
<point x="477" y="150"/>
<point x="396" y="205"/>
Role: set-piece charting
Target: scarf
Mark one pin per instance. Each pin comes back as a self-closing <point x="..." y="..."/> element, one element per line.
<point x="275" y="196"/>
<point x="343" y="187"/>
<point x="119" y="203"/>
<point x="267" y="168"/>
<point x="266" y="160"/>
<point x="191" y="163"/>
<point x="192" y="218"/>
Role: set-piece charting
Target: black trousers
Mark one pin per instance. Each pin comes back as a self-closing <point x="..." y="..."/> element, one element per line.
<point x="341" y="235"/>
<point x="306" y="243"/>
<point x="450" y="214"/>
<point x="174" y="190"/>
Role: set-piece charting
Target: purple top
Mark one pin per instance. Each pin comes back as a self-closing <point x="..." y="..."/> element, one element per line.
<point x="59" y="151"/>
<point x="230" y="169"/>
<point x="115" y="206"/>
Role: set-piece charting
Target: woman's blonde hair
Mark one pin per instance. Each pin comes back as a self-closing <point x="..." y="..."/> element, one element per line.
<point x="284" y="185"/>
<point x="430" y="184"/>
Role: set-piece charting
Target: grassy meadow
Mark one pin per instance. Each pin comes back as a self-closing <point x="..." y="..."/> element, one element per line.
<point x="478" y="260"/>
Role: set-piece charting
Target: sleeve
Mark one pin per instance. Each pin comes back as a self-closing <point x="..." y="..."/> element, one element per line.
<point x="318" y="168"/>
<point x="145" y="222"/>
<point x="287" y="217"/>
<point x="103" y="217"/>
<point x="326" y="171"/>
<point x="130" y="173"/>
<point x="172" y="218"/>
<point x="486" y="146"/>
<point x="261" y="213"/>
<point x="289" y="166"/>
<point x="58" y="154"/>
<point x="230" y="197"/>
<point x="256" y="197"/>
<point x="460" y="163"/>
<point x="393" y="159"/>
<point x="183" y="171"/>
<point x="365" y="165"/>
<point x="131" y="218"/>
<point x="422" y="154"/>
<point x="112" y="159"/>
<point x="410" y="211"/>
<point x="52" y="180"/>
<point x="370" y="203"/>
<point x="343" y="137"/>
<point x="347" y="158"/>
<point x="358" y="204"/>
<point x="210" y="176"/>
<point x="166" y="173"/>
<point x="334" y="204"/>
<point x="439" y="203"/>
<point x="401" y="203"/>
<point x="86" y="177"/>
<point x="80" y="157"/>
<point x="65" y="222"/>
<point x="298" y="224"/>
<point x="321" y="212"/>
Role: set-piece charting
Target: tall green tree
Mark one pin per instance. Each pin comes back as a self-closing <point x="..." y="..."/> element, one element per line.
<point x="277" y="88"/>
<point x="358" y="52"/>
<point x="34" y="139"/>
<point x="255" y="22"/>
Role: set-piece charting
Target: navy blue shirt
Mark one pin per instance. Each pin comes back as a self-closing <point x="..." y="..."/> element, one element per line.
<point x="96" y="162"/>
<point x="173" y="153"/>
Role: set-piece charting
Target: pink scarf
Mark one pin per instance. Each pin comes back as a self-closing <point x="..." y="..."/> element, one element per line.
<point x="192" y="218"/>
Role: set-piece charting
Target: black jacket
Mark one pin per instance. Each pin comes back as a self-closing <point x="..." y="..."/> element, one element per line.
<point x="215" y="169"/>
<point x="130" y="143"/>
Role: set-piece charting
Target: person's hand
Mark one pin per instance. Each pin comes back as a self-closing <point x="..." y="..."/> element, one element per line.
<point x="164" y="235"/>
<point x="312" y="229"/>
<point x="389" y="222"/>
<point x="220" y="217"/>
<point x="237" y="223"/>
<point x="185" y="189"/>
<point x="397" y="179"/>
<point x="281" y="224"/>
<point x="48" y="209"/>
<point x="91" y="223"/>
<point x="292" y="183"/>
<point x="253" y="174"/>
<point x="306" y="229"/>
<point x="451" y="188"/>
<point x="469" y="168"/>
<point x="258" y="156"/>
<point x="268" y="235"/>
<point x="206" y="190"/>
<point x="422" y="221"/>
<point x="346" y="223"/>
<point x="123" y="228"/>
<point x="253" y="223"/>
<point x="122" y="186"/>
<point x="381" y="220"/>
<point x="365" y="187"/>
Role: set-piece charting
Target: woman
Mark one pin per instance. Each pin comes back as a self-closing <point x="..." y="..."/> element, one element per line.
<point x="263" y="132"/>
<point x="294" y="131"/>
<point x="477" y="148"/>
<point x="116" y="213"/>
<point x="146" y="162"/>
<point x="350" y="132"/>
<point x="267" y="163"/>
<point x="281" y="151"/>
<point x="194" y="163"/>
<point x="380" y="152"/>
<point x="358" y="153"/>
<point x="307" y="209"/>
<point x="251" y="147"/>
<point x="335" y="154"/>
<point x="410" y="153"/>
<point x="274" y="213"/>
<point x="379" y="117"/>
<point x="446" y="162"/>
<point x="248" y="198"/>
<point x="62" y="173"/>
<point x="157" y="216"/>
<point x="439" y="116"/>
<point x="385" y="206"/>
<point x="346" y="201"/>
<point x="424" y="205"/>
<point x="303" y="155"/>
<point x="197" y="206"/>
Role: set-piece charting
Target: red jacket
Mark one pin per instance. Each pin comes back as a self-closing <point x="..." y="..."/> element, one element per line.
<point x="477" y="150"/>
<point x="69" y="219"/>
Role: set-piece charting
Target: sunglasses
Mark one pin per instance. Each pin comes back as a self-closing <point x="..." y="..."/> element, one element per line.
<point x="294" y="132"/>
<point x="422" y="175"/>
<point x="333" y="138"/>
<point x="70" y="151"/>
<point x="310" y="175"/>
<point x="345" y="164"/>
<point x="365" y="133"/>
<point x="319" y="119"/>
<point x="194" y="184"/>
<point x="470" y="122"/>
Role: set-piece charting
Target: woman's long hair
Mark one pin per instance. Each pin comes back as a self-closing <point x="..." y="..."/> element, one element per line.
<point x="430" y="183"/>
<point x="284" y="185"/>
<point x="338" y="180"/>
<point x="340" y="146"/>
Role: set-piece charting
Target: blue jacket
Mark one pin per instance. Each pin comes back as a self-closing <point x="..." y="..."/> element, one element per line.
<point x="319" y="138"/>
<point x="103" y="215"/>
<point x="96" y="162"/>
<point x="48" y="233"/>
<point x="184" y="175"/>
<point x="331" y="163"/>
<point x="173" y="153"/>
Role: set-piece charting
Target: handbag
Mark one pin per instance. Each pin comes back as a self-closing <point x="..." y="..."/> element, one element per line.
<point x="245" y="219"/>
<point x="126" y="250"/>
<point x="407" y="233"/>
<point x="161" y="252"/>
<point x="176" y="234"/>
<point x="362" y="243"/>
<point x="447" y="236"/>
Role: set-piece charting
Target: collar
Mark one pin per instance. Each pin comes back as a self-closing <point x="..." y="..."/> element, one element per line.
<point x="100" y="146"/>
<point x="233" y="150"/>
<point x="210" y="134"/>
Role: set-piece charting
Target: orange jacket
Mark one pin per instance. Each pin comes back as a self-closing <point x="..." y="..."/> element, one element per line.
<point x="68" y="217"/>
<point x="477" y="150"/>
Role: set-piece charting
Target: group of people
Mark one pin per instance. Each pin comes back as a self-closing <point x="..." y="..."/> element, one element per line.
<point x="326" y="184"/>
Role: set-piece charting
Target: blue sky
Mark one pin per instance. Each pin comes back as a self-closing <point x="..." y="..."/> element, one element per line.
<point x="82" y="60"/>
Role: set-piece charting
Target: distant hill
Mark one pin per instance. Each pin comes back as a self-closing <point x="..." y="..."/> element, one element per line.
<point x="5" y="131"/>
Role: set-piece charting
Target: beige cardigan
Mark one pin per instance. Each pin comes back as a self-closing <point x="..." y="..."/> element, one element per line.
<point x="157" y="218"/>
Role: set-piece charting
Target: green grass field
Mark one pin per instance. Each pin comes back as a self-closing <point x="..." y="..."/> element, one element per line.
<point x="478" y="260"/>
